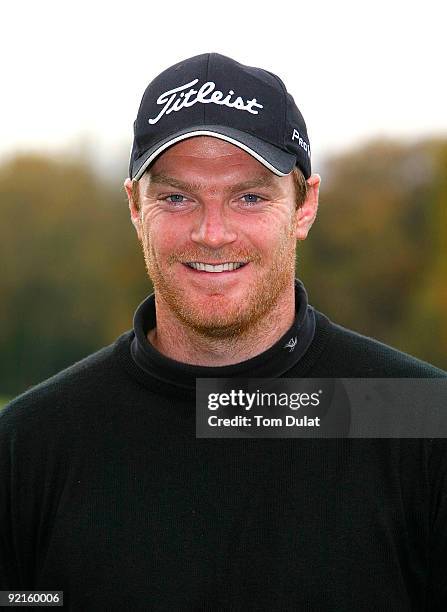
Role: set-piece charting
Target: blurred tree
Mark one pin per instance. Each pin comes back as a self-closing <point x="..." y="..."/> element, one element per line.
<point x="427" y="313"/>
<point x="376" y="258"/>
<point x="72" y="273"/>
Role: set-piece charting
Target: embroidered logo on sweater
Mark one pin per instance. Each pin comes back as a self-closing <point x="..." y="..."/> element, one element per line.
<point x="291" y="344"/>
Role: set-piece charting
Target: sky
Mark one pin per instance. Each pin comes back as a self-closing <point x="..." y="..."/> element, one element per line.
<point x="73" y="73"/>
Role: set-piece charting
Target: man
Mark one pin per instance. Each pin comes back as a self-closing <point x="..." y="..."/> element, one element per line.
<point x="107" y="494"/>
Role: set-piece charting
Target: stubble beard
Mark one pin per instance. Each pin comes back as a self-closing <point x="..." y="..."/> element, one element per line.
<point x="234" y="322"/>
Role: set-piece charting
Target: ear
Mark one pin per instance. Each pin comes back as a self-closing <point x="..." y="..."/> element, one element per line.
<point x="307" y="212"/>
<point x="135" y="214"/>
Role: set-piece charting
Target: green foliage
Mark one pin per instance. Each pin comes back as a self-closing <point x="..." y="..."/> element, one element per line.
<point x="73" y="273"/>
<point x="376" y="259"/>
<point x="3" y="401"/>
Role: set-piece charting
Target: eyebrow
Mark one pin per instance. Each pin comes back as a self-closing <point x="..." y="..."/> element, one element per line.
<point x="163" y="179"/>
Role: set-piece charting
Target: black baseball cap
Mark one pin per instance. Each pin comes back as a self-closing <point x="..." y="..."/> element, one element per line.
<point x="213" y="95"/>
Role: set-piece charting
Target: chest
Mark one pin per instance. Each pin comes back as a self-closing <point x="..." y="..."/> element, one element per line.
<point x="176" y="519"/>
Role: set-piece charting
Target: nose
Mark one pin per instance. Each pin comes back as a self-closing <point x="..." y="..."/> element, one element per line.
<point x="213" y="228"/>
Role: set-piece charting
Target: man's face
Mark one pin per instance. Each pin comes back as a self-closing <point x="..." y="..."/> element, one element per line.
<point x="218" y="232"/>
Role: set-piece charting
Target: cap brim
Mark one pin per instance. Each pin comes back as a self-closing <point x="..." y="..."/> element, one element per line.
<point x="279" y="162"/>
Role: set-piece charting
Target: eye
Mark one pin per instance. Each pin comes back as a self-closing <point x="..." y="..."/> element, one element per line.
<point x="175" y="198"/>
<point x="251" y="198"/>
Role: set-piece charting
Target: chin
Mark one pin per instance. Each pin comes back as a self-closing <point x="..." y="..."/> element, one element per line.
<point x="216" y="329"/>
<point x="216" y="321"/>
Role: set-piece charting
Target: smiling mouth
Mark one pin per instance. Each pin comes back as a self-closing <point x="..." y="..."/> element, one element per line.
<point x="223" y="267"/>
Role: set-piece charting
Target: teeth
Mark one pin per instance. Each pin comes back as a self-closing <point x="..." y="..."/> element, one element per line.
<point x="226" y="267"/>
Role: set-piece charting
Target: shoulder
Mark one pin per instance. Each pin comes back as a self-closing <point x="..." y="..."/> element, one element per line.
<point x="74" y="387"/>
<point x="350" y="354"/>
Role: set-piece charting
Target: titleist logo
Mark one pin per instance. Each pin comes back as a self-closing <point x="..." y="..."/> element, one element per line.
<point x="177" y="98"/>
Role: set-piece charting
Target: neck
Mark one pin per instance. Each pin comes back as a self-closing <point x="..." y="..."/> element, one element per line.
<point x="174" y="339"/>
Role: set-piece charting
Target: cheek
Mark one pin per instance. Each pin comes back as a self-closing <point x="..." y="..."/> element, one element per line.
<point x="272" y="231"/>
<point x="163" y="236"/>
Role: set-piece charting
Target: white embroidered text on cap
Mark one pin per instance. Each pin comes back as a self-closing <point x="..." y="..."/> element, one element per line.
<point x="174" y="102"/>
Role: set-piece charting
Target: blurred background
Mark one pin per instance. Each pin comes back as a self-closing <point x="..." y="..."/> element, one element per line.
<point x="368" y="78"/>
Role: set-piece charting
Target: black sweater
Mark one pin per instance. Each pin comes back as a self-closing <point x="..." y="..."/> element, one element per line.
<point x="106" y="493"/>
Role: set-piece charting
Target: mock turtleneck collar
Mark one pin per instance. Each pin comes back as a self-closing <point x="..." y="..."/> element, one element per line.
<point x="272" y="363"/>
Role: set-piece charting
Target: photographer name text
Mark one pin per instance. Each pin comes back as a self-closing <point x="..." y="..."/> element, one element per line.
<point x="258" y="420"/>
